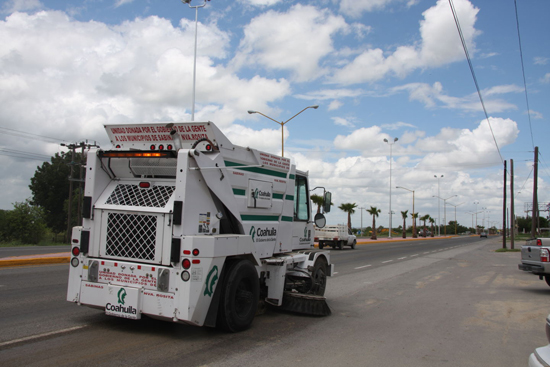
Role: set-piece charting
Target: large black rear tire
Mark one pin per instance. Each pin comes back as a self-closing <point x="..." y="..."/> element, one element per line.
<point x="547" y="278"/>
<point x="239" y="297"/>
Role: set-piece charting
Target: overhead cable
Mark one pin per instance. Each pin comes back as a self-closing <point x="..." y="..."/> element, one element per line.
<point x="473" y="74"/>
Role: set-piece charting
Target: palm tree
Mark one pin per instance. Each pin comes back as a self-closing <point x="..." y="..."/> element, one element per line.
<point x="425" y="219"/>
<point x="404" y="215"/>
<point x="414" y="216"/>
<point x="432" y="221"/>
<point x="350" y="209"/>
<point x="317" y="200"/>
<point x="374" y="211"/>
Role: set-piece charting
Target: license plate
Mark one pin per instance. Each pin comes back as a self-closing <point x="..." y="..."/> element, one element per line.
<point x="123" y="302"/>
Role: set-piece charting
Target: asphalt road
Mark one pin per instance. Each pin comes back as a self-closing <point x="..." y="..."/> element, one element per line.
<point x="429" y="303"/>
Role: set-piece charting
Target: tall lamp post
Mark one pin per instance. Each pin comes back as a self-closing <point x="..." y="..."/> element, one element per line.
<point x="390" y="144"/>
<point x="283" y="124"/>
<point x="438" y="206"/>
<point x="414" y="221"/>
<point x="456" y="223"/>
<point x="476" y="202"/>
<point x="445" y="210"/>
<point x="196" y="7"/>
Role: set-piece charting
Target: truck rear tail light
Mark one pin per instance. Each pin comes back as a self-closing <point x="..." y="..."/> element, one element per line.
<point x="539" y="242"/>
<point x="186" y="263"/>
<point x="316" y="239"/>
<point x="75" y="262"/>
<point x="196" y="252"/>
<point x="144" y="185"/>
<point x="335" y="239"/>
<point x="186" y="252"/>
<point x="544" y="255"/>
<point x="196" y="261"/>
<point x="75" y="251"/>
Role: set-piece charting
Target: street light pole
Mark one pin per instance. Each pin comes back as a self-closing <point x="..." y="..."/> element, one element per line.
<point x="438" y="206"/>
<point x="283" y="124"/>
<point x="390" y="144"/>
<point x="188" y="2"/>
<point x="456" y="223"/>
<point x="445" y="211"/>
<point x="412" y="215"/>
<point x="476" y="202"/>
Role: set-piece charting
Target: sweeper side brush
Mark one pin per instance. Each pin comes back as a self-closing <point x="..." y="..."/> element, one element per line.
<point x="307" y="304"/>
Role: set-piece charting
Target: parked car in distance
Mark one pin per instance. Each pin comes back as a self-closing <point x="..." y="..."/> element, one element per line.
<point x="541" y="356"/>
<point x="483" y="234"/>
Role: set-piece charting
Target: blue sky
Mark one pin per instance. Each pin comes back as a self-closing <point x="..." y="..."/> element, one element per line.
<point x="378" y="69"/>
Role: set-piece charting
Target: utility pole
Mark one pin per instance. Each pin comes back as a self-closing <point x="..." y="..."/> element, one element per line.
<point x="512" y="214"/>
<point x="503" y="210"/>
<point x="534" y="217"/>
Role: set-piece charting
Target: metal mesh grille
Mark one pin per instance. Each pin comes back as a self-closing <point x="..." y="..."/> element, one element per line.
<point x="131" y="236"/>
<point x="133" y="195"/>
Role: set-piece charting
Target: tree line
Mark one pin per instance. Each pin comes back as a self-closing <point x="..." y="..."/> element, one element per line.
<point x="43" y="216"/>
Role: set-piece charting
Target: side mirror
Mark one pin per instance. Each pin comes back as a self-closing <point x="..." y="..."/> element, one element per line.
<point x="327" y="202"/>
<point x="320" y="220"/>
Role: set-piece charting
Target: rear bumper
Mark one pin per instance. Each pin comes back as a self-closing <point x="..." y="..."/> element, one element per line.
<point x="535" y="269"/>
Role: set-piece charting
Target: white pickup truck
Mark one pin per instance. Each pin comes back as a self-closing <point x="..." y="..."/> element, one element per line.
<point x="535" y="258"/>
<point x="336" y="236"/>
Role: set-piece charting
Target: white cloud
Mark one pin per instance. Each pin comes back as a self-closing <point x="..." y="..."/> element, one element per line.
<point x="334" y="105"/>
<point x="12" y="6"/>
<point x="546" y="78"/>
<point x="297" y="47"/>
<point x="396" y="125"/>
<point x="260" y="3"/>
<point x="440" y="45"/>
<point x="541" y="60"/>
<point x="433" y="96"/>
<point x="342" y="122"/>
<point x="354" y="8"/>
<point x="122" y="2"/>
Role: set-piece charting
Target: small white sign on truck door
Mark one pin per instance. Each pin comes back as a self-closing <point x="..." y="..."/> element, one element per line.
<point x="260" y="194"/>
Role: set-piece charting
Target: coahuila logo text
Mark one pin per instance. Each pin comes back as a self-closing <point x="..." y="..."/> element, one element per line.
<point x="261" y="194"/>
<point x="121" y="295"/>
<point x="307" y="236"/>
<point x="263" y="234"/>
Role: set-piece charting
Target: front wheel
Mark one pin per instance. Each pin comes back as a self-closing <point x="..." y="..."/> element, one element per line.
<point x="547" y="278"/>
<point x="239" y="296"/>
<point x="353" y="244"/>
<point x="319" y="276"/>
<point x="340" y="245"/>
<point x="321" y="245"/>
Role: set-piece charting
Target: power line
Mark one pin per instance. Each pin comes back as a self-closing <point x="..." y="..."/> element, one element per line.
<point x="26" y="135"/>
<point x="523" y="73"/>
<point x="473" y="74"/>
<point x="25" y="155"/>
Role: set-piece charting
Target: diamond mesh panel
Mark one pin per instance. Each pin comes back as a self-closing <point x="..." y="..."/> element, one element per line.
<point x="133" y="195"/>
<point x="131" y="236"/>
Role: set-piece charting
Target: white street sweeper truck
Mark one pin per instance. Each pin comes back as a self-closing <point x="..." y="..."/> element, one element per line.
<point x="182" y="225"/>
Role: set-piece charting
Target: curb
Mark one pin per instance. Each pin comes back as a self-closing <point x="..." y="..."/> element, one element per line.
<point x="27" y="260"/>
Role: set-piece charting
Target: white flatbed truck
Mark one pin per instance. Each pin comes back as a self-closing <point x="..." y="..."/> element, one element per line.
<point x="336" y="236"/>
<point x="182" y="225"/>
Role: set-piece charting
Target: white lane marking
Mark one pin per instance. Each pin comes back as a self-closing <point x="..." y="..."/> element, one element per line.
<point x="364" y="266"/>
<point x="335" y="273"/>
<point x="414" y="255"/>
<point x="41" y="335"/>
<point x="389" y="261"/>
<point x="401" y="258"/>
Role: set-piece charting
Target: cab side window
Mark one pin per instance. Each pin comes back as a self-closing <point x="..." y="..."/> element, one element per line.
<point x="301" y="199"/>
